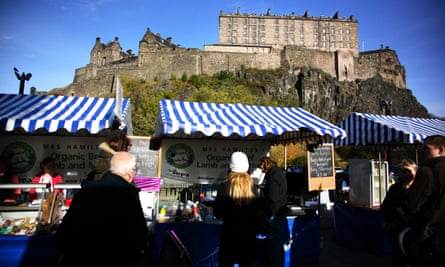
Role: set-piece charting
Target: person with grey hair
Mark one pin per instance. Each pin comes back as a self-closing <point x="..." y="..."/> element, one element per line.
<point x="105" y="224"/>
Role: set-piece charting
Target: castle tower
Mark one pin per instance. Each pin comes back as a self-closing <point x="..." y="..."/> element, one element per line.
<point x="102" y="54"/>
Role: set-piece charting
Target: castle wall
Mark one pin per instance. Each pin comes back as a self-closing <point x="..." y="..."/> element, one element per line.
<point x="295" y="56"/>
<point x="384" y="62"/>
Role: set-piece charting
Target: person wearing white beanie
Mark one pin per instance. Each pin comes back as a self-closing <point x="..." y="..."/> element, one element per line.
<point x="239" y="162"/>
<point x="238" y="207"/>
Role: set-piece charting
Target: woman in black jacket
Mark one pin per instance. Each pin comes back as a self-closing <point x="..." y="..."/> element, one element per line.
<point x="236" y="204"/>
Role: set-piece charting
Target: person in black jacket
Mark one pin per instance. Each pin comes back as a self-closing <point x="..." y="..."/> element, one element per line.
<point x="423" y="242"/>
<point x="394" y="210"/>
<point x="117" y="142"/>
<point x="105" y="224"/>
<point x="275" y="207"/>
<point x="235" y="203"/>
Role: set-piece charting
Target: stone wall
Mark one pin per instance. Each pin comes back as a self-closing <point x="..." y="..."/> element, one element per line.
<point x="159" y="58"/>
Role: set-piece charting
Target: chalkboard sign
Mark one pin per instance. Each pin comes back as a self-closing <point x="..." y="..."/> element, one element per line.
<point x="147" y="160"/>
<point x="321" y="167"/>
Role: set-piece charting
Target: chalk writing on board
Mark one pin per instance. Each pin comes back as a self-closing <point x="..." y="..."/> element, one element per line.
<point x="146" y="159"/>
<point x="321" y="162"/>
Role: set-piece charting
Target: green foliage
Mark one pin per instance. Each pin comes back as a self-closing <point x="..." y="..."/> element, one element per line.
<point x="184" y="77"/>
<point x="223" y="87"/>
<point x="197" y="80"/>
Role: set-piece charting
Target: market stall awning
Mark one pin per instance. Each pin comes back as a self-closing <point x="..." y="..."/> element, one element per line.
<point x="239" y="121"/>
<point x="373" y="129"/>
<point x="72" y="113"/>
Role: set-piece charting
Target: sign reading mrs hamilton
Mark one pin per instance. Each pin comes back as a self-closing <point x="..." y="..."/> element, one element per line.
<point x="205" y="161"/>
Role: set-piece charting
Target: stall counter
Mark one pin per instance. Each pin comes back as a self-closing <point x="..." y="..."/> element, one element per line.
<point x="201" y="240"/>
<point x="360" y="228"/>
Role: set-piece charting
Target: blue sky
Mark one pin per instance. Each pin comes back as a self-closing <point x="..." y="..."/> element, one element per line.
<point x="52" y="38"/>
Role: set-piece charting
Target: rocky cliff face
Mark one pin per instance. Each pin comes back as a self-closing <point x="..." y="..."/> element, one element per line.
<point x="332" y="100"/>
<point x="316" y="91"/>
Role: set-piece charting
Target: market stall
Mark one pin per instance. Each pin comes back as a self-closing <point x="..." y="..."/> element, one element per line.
<point x="381" y="131"/>
<point x="67" y="128"/>
<point x="198" y="138"/>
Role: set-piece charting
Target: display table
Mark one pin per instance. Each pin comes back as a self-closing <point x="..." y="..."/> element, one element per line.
<point x="202" y="241"/>
<point x="360" y="228"/>
<point x="24" y="251"/>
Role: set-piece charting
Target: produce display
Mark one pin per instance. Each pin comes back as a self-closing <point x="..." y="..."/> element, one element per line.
<point x="19" y="226"/>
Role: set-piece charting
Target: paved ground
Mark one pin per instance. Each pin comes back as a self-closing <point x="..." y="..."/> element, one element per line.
<point x="335" y="255"/>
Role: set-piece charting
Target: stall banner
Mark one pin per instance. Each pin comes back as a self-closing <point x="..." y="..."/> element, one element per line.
<point x="205" y="161"/>
<point x="72" y="155"/>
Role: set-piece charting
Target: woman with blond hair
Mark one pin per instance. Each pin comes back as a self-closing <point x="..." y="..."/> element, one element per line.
<point x="237" y="205"/>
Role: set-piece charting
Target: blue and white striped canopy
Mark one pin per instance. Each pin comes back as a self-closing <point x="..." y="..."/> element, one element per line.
<point x="72" y="113"/>
<point x="239" y="121"/>
<point x="372" y="129"/>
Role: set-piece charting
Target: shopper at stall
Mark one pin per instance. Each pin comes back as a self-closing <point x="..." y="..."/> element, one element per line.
<point x="394" y="210"/>
<point x="118" y="141"/>
<point x="105" y="224"/>
<point x="275" y="199"/>
<point x="236" y="204"/>
<point x="423" y="241"/>
<point x="8" y="196"/>
<point x="47" y="175"/>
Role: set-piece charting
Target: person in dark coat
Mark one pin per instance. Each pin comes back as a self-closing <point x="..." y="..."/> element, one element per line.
<point x="235" y="203"/>
<point x="118" y="141"/>
<point x="424" y="246"/>
<point x="394" y="210"/>
<point x="105" y="224"/>
<point x="275" y="207"/>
